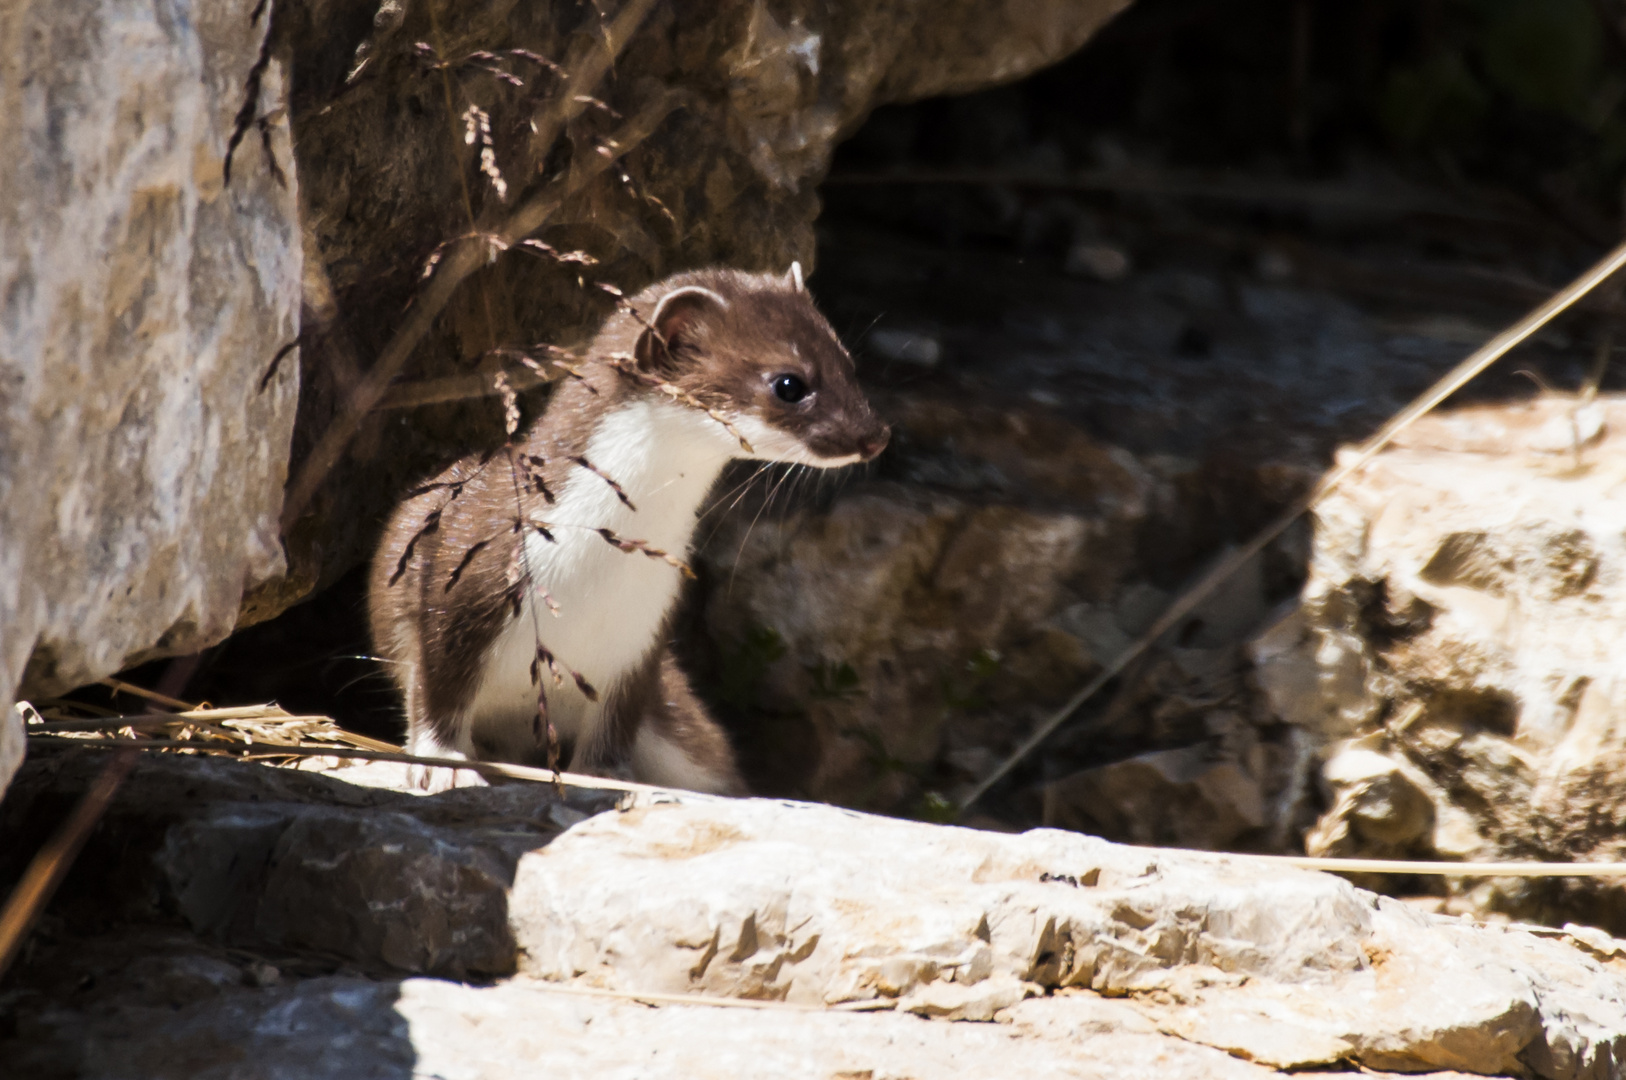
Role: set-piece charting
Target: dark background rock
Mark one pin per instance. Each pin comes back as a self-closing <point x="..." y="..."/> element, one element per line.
<point x="286" y="862"/>
<point x="763" y="94"/>
<point x="1277" y="288"/>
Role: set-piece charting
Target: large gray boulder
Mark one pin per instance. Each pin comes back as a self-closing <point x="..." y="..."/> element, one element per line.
<point x="142" y="299"/>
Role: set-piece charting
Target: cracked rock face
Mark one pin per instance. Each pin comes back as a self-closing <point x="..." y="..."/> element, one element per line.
<point x="839" y="921"/>
<point x="142" y="299"/>
<point x="1457" y="654"/>
<point x="820" y="906"/>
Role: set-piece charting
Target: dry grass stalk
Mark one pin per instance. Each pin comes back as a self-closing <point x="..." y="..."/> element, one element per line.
<point x="154" y="696"/>
<point x="1449" y="869"/>
<point x="203" y="728"/>
<point x="241" y="749"/>
<point x="464" y="258"/>
<point x="412" y="395"/>
<point x="873" y="1005"/>
<point x="1194" y="594"/>
<point x="50" y="864"/>
<point x="627" y="365"/>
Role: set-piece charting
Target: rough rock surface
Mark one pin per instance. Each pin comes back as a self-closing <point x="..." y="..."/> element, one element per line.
<point x="141" y="300"/>
<point x="895" y="610"/>
<point x="1458" y="656"/>
<point x="760" y="92"/>
<point x="340" y="1028"/>
<point x="1159" y="957"/>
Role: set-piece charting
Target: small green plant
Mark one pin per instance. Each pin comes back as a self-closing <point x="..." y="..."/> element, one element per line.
<point x="936" y="808"/>
<point x="834" y="682"/>
<point x="883" y="763"/>
<point x="743" y="668"/>
<point x="1543" y="57"/>
<point x="966" y="694"/>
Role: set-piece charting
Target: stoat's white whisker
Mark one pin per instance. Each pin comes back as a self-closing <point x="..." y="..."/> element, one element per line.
<point x="749" y="528"/>
<point x="739" y="487"/>
<point x="743" y="489"/>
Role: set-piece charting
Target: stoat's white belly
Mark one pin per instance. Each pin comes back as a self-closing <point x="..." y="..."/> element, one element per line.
<point x="611" y="603"/>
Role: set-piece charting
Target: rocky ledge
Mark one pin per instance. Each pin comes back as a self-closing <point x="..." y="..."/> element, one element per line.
<point x="234" y="920"/>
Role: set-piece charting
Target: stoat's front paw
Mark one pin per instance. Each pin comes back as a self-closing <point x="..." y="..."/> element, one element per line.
<point x="433" y="779"/>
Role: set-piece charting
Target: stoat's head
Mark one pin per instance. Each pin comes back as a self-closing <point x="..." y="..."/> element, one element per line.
<point x="754" y="349"/>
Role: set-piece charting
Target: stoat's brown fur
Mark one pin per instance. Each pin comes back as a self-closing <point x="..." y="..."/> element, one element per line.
<point x="460" y="600"/>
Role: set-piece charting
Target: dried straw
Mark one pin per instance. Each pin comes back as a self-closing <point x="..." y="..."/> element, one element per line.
<point x="1447" y="869"/>
<point x="236" y="744"/>
<point x="876" y="1005"/>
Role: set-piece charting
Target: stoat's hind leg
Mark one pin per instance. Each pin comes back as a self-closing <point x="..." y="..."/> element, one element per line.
<point x="679" y="745"/>
<point x="424" y="741"/>
<point x="395" y="610"/>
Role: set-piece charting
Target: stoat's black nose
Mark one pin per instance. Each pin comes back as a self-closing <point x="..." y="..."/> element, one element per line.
<point x="872" y="445"/>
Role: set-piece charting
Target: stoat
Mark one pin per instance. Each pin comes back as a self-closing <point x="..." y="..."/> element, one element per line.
<point x="551" y="570"/>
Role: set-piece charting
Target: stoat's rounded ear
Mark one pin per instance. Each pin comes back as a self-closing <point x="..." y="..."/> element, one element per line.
<point x="671" y="326"/>
<point x="793" y="278"/>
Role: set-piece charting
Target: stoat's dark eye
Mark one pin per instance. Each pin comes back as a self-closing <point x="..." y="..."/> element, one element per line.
<point x="789" y="388"/>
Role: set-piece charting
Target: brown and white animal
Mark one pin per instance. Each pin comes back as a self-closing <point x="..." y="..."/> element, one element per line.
<point x="461" y="597"/>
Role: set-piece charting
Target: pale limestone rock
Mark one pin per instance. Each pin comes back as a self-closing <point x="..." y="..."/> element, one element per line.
<point x="1318" y="680"/>
<point x="1463" y="623"/>
<point x="1380" y="803"/>
<point x="141" y="301"/>
<point x="822" y="906"/>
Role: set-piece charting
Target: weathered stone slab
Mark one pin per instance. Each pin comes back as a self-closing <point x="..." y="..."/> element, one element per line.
<point x="818" y="905"/>
<point x="289" y="861"/>
<point x="342" y="1028"/>
<point x="810" y="906"/>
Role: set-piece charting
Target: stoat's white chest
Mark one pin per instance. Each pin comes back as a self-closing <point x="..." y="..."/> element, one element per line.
<point x="610" y="604"/>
